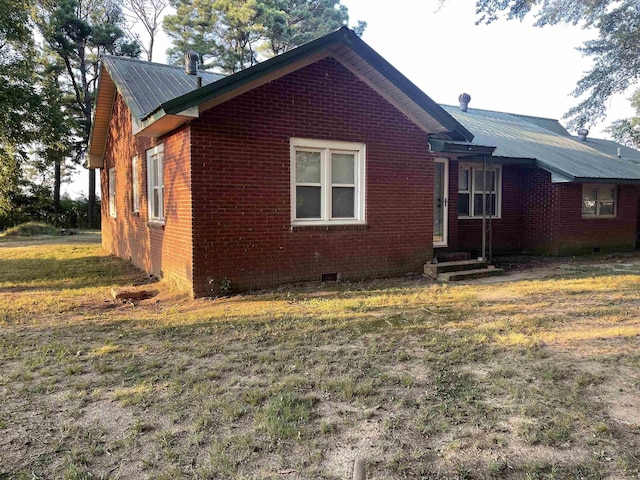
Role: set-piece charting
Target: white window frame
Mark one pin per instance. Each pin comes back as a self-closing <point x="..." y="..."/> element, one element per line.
<point x="472" y="168"/>
<point x="599" y="201"/>
<point x="135" y="182"/>
<point x="326" y="148"/>
<point x="155" y="155"/>
<point x="112" y="192"/>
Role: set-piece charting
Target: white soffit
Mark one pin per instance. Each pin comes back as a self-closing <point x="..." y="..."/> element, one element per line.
<point x="368" y="74"/>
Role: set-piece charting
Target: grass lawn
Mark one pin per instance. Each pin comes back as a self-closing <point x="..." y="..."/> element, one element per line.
<point x="527" y="379"/>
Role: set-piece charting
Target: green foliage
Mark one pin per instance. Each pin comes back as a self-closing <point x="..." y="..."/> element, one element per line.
<point x="38" y="207"/>
<point x="547" y="12"/>
<point x="231" y="35"/>
<point x="30" y="229"/>
<point x="9" y="174"/>
<point x="291" y="23"/>
<point x="616" y="51"/>
<point x="76" y="33"/>
<point x="627" y="131"/>
<point x="225" y="286"/>
<point x="616" y="55"/>
<point x="18" y="96"/>
<point x="14" y="15"/>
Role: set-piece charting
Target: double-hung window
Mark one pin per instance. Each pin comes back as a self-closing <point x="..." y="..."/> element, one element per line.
<point x="472" y="189"/>
<point x="327" y="182"/>
<point x="135" y="180"/>
<point x="599" y="200"/>
<point x="155" y="184"/>
<point x="112" y="192"/>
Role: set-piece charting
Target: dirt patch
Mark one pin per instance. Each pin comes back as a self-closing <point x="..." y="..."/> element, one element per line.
<point x="518" y="379"/>
<point x="622" y="395"/>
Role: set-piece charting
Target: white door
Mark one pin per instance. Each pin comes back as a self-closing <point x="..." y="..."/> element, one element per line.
<point x="441" y="202"/>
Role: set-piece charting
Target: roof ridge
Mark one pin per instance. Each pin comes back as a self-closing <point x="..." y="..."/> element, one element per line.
<point x="504" y="113"/>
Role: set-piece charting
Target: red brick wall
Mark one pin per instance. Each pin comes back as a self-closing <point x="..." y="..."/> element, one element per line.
<point x="542" y="217"/>
<point x="241" y="185"/>
<point x="540" y="209"/>
<point x="575" y="234"/>
<point x="506" y="231"/>
<point x="161" y="250"/>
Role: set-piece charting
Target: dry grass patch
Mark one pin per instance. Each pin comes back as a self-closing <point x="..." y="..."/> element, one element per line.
<point x="533" y="379"/>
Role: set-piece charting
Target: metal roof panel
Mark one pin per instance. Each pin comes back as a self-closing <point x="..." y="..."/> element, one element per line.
<point x="146" y="85"/>
<point x="515" y="137"/>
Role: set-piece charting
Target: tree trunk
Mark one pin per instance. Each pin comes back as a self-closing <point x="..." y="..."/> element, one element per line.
<point x="56" y="186"/>
<point x="150" y="51"/>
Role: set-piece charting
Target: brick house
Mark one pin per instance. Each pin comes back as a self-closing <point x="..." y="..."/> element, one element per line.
<point x="325" y="162"/>
<point x="551" y="193"/>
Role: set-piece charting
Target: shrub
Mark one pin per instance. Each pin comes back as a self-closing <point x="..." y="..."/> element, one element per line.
<point x="31" y="229"/>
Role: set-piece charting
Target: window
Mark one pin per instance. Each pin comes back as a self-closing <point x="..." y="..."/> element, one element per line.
<point x="135" y="193"/>
<point x="112" y="192"/>
<point x="327" y="182"/>
<point x="471" y="189"/>
<point x="599" y="200"/>
<point x="155" y="184"/>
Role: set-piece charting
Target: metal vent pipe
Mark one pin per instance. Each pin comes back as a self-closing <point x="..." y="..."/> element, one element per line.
<point x="191" y="62"/>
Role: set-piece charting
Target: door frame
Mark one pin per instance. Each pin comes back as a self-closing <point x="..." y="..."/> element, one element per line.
<point x="445" y="210"/>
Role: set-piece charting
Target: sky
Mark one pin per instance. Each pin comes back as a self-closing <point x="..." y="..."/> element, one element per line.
<point x="509" y="66"/>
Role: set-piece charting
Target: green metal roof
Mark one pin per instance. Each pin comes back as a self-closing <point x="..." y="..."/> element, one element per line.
<point x="146" y="85"/>
<point x="550" y="124"/>
<point x="610" y="147"/>
<point x="568" y="159"/>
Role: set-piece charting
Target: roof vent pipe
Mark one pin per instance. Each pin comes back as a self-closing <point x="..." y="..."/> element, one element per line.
<point x="191" y="62"/>
<point x="582" y="134"/>
<point x="464" y="100"/>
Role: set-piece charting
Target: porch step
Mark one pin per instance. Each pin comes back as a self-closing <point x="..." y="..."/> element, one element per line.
<point x="452" y="256"/>
<point x="434" y="269"/>
<point x="460" y="270"/>
<point x="458" y="276"/>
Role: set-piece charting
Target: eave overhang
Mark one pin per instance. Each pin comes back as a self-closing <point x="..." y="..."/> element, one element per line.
<point x="438" y="145"/>
<point x="103" y="107"/>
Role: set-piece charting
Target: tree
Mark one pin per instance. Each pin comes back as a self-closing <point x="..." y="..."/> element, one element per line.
<point x="78" y="32"/>
<point x="149" y="13"/>
<point x="231" y="35"/>
<point x="223" y="32"/>
<point x="59" y="143"/>
<point x="627" y="131"/>
<point x="18" y="96"/>
<point x="616" y="51"/>
<point x="290" y="23"/>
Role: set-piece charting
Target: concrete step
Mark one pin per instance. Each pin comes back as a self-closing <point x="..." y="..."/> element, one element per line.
<point x="459" y="276"/>
<point x="434" y="269"/>
<point x="452" y="256"/>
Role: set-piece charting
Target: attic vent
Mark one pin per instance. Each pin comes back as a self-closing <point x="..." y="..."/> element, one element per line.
<point x="191" y="62"/>
<point x="582" y="134"/>
<point x="464" y="100"/>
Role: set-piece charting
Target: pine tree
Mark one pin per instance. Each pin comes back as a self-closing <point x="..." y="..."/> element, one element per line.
<point x="231" y="35"/>
<point x="78" y="32"/>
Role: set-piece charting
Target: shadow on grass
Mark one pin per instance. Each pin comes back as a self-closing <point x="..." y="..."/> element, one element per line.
<point x="20" y="275"/>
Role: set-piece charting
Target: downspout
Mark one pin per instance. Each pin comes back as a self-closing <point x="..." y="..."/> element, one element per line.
<point x="483" y="252"/>
<point x="494" y="175"/>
